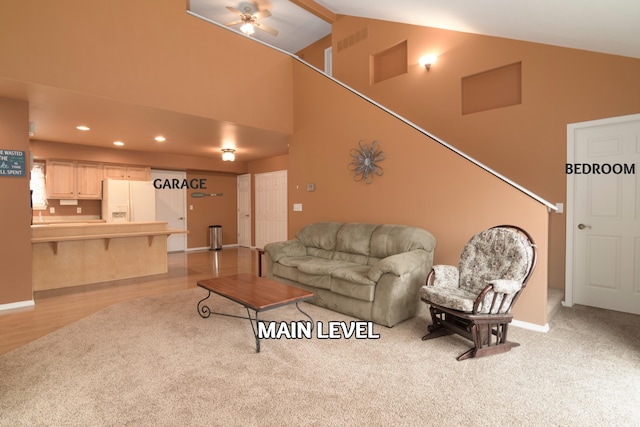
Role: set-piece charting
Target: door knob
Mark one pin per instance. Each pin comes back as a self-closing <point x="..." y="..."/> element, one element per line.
<point x="582" y="226"/>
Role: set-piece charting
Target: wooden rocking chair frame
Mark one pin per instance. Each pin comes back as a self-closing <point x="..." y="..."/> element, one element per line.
<point x="487" y="331"/>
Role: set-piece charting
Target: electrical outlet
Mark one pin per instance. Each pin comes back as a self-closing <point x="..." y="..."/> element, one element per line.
<point x="78" y="209"/>
<point x="52" y="210"/>
<point x="190" y="207"/>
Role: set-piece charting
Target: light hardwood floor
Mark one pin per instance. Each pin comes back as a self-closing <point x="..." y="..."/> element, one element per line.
<point x="56" y="308"/>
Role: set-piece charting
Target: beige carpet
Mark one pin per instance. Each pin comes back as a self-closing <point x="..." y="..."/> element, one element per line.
<point x="156" y="362"/>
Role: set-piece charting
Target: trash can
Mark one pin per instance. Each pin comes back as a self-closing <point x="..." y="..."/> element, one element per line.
<point x="215" y="237"/>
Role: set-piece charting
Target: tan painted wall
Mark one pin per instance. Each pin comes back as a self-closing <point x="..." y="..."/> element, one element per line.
<point x="527" y="142"/>
<point x="146" y="44"/>
<point x="411" y="190"/>
<point x="424" y="184"/>
<point x="15" y="215"/>
<point x="212" y="210"/>
<point x="314" y="53"/>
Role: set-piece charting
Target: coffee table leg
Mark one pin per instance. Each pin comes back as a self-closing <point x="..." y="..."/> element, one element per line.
<point x="254" y="328"/>
<point x="203" y="310"/>
<point x="301" y="311"/>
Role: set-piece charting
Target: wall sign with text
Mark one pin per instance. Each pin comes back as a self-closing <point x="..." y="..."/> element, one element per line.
<point x="12" y="163"/>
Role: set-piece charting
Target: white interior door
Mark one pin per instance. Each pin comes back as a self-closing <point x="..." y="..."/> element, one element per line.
<point x="603" y="214"/>
<point x="271" y="207"/>
<point x="171" y="207"/>
<point x="244" y="210"/>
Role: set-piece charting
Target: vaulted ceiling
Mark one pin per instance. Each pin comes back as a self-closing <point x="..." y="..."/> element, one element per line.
<point x="610" y="27"/>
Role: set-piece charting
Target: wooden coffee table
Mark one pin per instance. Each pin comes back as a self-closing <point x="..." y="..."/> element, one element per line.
<point x="253" y="293"/>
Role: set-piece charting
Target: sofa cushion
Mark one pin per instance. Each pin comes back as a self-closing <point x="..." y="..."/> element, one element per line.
<point x="356" y="274"/>
<point x="319" y="253"/>
<point x="355" y="238"/>
<point x="355" y="258"/>
<point x="295" y="261"/>
<point x="391" y="239"/>
<point x="322" y="267"/>
<point x="315" y="281"/>
<point x="320" y="235"/>
<point x="283" y="271"/>
<point x="353" y="289"/>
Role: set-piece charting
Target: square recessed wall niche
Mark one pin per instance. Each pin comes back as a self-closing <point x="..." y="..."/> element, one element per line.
<point x="389" y="63"/>
<point x="497" y="88"/>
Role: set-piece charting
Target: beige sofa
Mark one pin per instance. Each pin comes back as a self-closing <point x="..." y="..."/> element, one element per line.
<point x="369" y="271"/>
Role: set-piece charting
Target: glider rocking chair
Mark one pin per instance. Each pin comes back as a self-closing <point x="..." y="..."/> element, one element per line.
<point x="475" y="299"/>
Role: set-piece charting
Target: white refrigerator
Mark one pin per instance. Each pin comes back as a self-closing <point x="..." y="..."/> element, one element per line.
<point x="124" y="201"/>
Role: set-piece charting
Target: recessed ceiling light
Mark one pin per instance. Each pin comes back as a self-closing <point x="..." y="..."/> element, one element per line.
<point x="82" y="127"/>
<point x="118" y="143"/>
<point x="160" y="138"/>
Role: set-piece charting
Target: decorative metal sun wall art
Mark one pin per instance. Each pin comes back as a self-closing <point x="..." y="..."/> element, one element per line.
<point x="365" y="158"/>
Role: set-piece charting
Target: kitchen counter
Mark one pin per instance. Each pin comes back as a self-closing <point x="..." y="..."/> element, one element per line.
<point x="72" y="254"/>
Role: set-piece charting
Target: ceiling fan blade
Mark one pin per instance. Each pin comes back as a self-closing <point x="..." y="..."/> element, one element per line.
<point x="234" y="10"/>
<point x="239" y="21"/>
<point x="262" y="14"/>
<point x="262" y="4"/>
<point x="266" y="28"/>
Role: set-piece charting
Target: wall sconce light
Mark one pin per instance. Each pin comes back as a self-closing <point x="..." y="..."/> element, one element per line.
<point x="427" y="61"/>
<point x="228" y="155"/>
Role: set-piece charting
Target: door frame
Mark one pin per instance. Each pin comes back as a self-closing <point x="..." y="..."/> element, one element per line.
<point x="572" y="129"/>
<point x="247" y="176"/>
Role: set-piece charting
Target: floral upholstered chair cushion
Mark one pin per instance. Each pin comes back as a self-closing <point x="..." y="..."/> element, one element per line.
<point x="497" y="257"/>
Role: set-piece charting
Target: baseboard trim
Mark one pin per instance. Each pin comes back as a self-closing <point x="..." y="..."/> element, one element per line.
<point x="204" y="248"/>
<point x="531" y="326"/>
<point x="19" y="304"/>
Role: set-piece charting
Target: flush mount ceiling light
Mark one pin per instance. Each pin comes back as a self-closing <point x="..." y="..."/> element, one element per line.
<point x="160" y="138"/>
<point x="118" y="143"/>
<point x="228" y="155"/>
<point x="82" y="127"/>
<point x="427" y="61"/>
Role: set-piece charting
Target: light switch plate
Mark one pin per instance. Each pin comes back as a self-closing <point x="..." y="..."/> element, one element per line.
<point x="297" y="207"/>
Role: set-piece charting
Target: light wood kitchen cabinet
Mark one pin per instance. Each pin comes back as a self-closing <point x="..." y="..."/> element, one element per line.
<point x="89" y="180"/>
<point x="134" y="173"/>
<point x="72" y="180"/>
<point x="60" y="179"/>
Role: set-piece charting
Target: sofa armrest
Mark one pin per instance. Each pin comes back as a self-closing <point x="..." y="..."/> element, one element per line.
<point x="398" y="264"/>
<point x="288" y="248"/>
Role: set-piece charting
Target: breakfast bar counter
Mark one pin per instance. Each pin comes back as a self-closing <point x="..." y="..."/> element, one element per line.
<point x="72" y="254"/>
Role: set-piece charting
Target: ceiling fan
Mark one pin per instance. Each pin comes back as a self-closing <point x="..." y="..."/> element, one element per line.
<point x="249" y="21"/>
